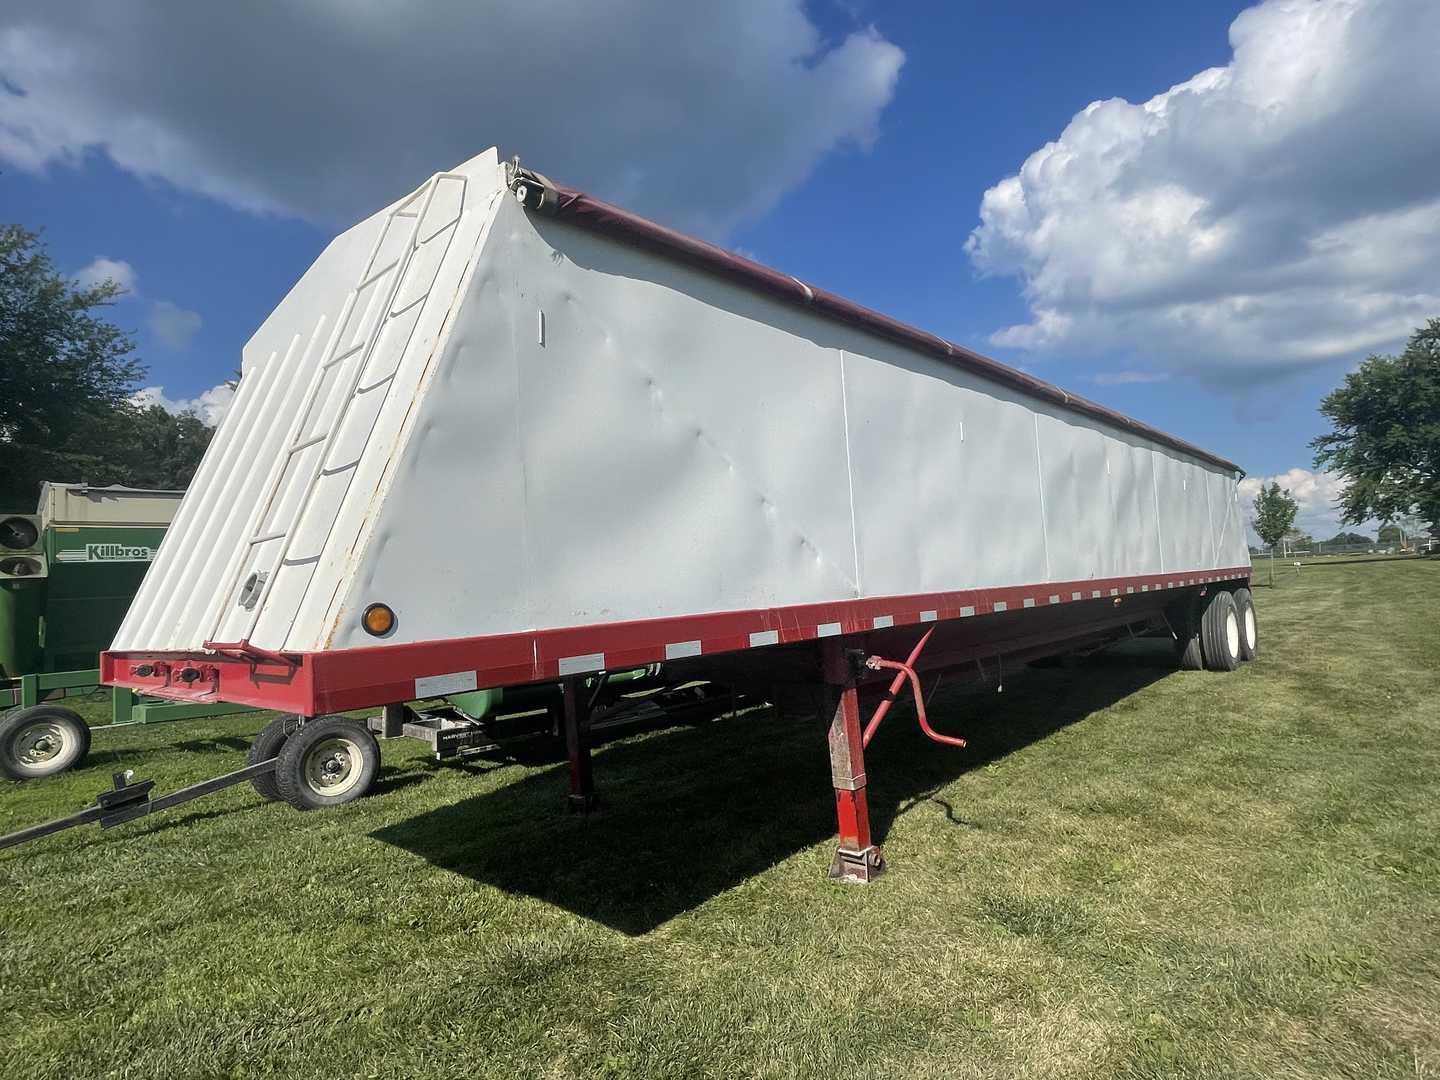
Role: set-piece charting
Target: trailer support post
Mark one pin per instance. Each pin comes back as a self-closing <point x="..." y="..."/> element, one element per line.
<point x="575" y="712"/>
<point x="857" y="857"/>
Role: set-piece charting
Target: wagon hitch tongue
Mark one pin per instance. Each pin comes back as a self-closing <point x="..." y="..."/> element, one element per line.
<point x="129" y="799"/>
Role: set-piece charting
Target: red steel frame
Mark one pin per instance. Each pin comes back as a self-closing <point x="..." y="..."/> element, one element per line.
<point x="315" y="683"/>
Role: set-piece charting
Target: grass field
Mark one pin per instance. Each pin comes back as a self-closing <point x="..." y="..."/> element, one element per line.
<point x="1133" y="872"/>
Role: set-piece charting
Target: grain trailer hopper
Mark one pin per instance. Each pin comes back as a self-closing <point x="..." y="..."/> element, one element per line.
<point x="503" y="433"/>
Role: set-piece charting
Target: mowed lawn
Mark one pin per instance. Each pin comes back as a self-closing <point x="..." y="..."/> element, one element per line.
<point x="1132" y="872"/>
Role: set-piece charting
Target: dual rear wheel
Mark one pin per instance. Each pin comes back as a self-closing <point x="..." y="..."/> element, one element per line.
<point x="1218" y="632"/>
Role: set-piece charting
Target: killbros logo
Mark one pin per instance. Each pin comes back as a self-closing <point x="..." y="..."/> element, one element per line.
<point x="107" y="553"/>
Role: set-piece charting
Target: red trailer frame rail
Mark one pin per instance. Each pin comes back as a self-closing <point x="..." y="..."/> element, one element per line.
<point x="315" y="683"/>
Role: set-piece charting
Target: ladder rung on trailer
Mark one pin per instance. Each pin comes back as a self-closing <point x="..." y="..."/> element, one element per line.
<point x="363" y="349"/>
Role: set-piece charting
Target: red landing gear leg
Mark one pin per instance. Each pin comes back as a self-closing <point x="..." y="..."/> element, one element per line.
<point x="576" y="720"/>
<point x="857" y="858"/>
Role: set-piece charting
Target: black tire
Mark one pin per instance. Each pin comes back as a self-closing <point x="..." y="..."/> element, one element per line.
<point x="1249" y="628"/>
<point x="1185" y="621"/>
<point x="331" y="761"/>
<point x="265" y="746"/>
<point x="1220" y="632"/>
<point x="42" y="740"/>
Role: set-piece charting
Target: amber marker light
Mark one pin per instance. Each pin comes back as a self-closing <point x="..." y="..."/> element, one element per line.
<point x="378" y="620"/>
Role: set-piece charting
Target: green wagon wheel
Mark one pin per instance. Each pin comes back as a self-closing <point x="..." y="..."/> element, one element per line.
<point x="41" y="740"/>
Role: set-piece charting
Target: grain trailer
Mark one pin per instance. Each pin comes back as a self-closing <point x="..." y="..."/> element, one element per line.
<point x="502" y="433"/>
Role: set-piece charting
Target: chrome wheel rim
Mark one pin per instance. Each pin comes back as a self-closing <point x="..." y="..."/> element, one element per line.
<point x="39" y="743"/>
<point x="333" y="766"/>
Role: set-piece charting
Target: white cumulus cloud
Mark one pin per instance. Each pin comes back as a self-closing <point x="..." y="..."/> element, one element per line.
<point x="702" y="114"/>
<point x="1315" y="492"/>
<point x="210" y="406"/>
<point x="173" y="325"/>
<point x="101" y="269"/>
<point x="1275" y="213"/>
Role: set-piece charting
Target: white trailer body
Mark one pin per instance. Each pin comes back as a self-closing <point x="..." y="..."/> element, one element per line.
<point x="549" y="450"/>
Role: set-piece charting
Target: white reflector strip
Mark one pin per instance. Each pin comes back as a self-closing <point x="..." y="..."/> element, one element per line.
<point x="1054" y="599"/>
<point x="929" y="616"/>
<point x="1000" y="605"/>
<point x="966" y="612"/>
<point x="764" y="637"/>
<point x="456" y="682"/>
<point x="1029" y="602"/>
<point x="880" y="622"/>
<point x="1075" y="596"/>
<point x="574" y="665"/>
<point x="676" y="650"/>
<point x="828" y="629"/>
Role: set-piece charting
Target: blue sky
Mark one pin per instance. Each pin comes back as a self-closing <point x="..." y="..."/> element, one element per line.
<point x="1212" y="264"/>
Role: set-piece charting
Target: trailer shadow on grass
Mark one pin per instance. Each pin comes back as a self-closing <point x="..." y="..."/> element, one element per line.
<point x="690" y="812"/>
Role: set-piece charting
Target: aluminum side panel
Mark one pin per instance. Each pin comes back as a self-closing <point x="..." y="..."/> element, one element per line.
<point x="609" y="446"/>
<point x="945" y="473"/>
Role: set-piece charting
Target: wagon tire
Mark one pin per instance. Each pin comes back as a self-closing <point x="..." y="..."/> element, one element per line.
<point x="42" y="740"/>
<point x="265" y="746"/>
<point x="1220" y="632"/>
<point x="1249" y="631"/>
<point x="1186" y="624"/>
<point x="330" y="761"/>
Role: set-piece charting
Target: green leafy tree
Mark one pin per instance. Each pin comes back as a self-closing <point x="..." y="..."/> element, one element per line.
<point x="66" y="378"/>
<point x="1386" y="437"/>
<point x="1275" y="511"/>
<point x="145" y="446"/>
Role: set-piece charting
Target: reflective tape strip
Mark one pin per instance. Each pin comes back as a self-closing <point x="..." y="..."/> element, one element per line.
<point x="575" y="665"/>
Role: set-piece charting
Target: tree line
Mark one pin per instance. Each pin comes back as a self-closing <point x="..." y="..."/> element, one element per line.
<point x="1384" y="443"/>
<point x="67" y="377"/>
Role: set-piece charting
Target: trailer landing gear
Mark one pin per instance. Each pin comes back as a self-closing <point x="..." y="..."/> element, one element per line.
<point x="857" y="858"/>
<point x="575" y="718"/>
